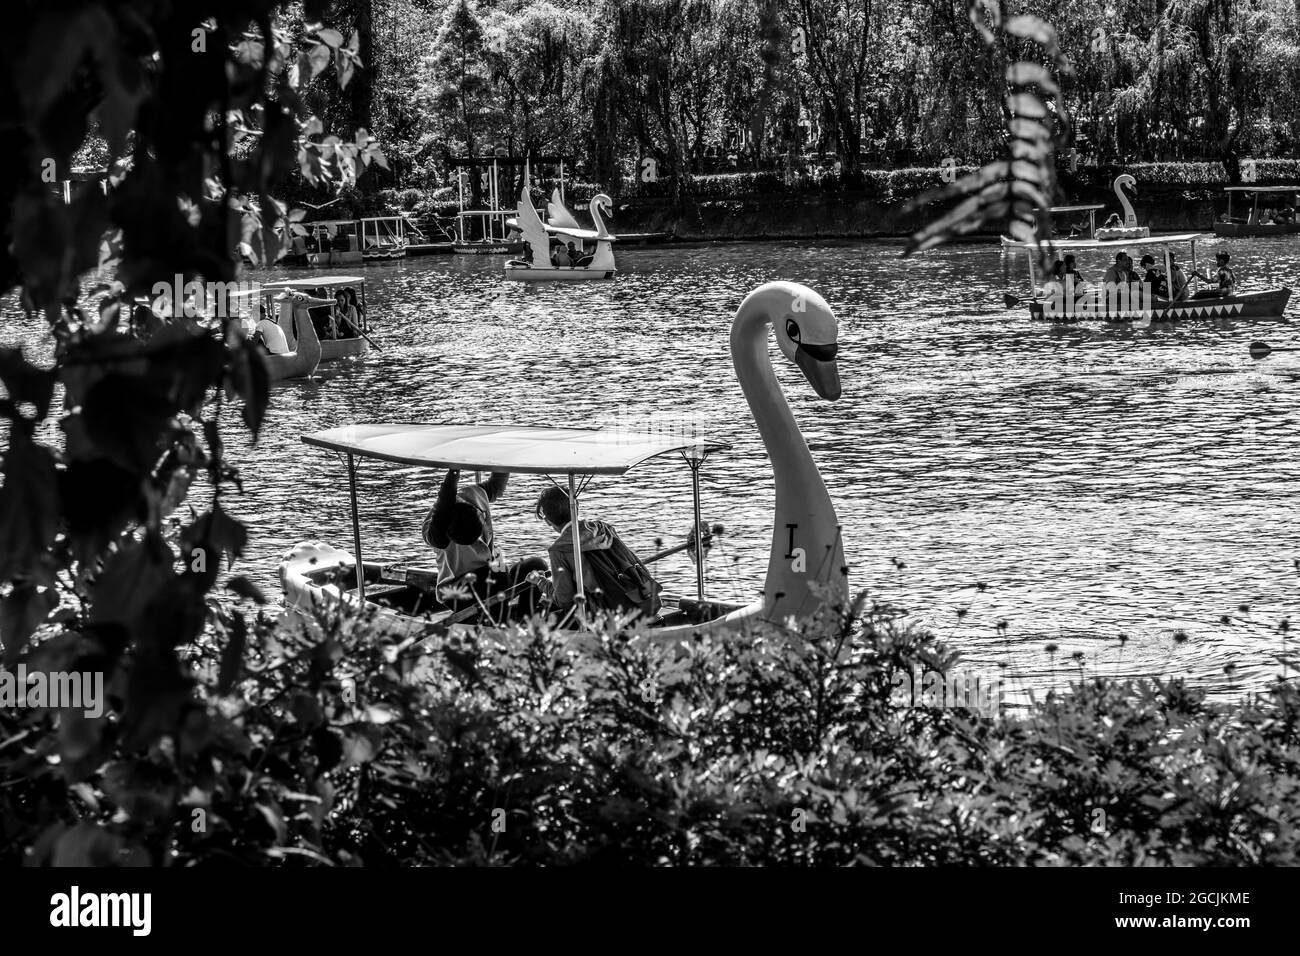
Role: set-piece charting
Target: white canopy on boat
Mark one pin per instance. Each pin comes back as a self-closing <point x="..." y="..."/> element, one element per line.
<point x="1075" y="208"/>
<point x="313" y="282"/>
<point x="1261" y="189"/>
<point x="1119" y="243"/>
<point x="526" y="449"/>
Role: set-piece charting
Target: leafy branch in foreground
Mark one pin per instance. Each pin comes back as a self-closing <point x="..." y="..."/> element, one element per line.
<point x="197" y="109"/>
<point x="1016" y="189"/>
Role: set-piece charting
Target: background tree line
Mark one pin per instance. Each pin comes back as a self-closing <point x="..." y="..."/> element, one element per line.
<point x="710" y="85"/>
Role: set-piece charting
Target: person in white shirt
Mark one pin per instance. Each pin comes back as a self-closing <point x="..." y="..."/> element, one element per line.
<point x="272" y="337"/>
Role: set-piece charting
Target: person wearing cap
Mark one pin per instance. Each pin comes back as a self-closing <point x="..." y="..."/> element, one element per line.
<point x="1225" y="277"/>
<point x="459" y="526"/>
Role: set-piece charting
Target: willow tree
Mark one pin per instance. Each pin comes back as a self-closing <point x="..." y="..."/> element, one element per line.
<point x="839" y="43"/>
<point x="535" y="55"/>
<point x="457" y="79"/>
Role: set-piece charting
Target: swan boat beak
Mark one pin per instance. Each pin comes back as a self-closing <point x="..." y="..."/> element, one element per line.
<point x="817" y="362"/>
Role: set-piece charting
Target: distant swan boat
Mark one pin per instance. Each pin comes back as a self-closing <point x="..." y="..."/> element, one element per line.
<point x="1130" y="229"/>
<point x="536" y="266"/>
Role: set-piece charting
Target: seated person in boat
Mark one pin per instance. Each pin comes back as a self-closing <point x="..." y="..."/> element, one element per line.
<point x="1224" y="276"/>
<point x="342" y="317"/>
<point x="355" y="310"/>
<point x="574" y="255"/>
<point x="1071" y="270"/>
<point x="1178" y="279"/>
<point x="560" y="257"/>
<point x="459" y="526"/>
<point x="1153" y="277"/>
<point x="1055" y="284"/>
<point x="1121" y="273"/>
<point x="270" y="336"/>
<point x="614" y="579"/>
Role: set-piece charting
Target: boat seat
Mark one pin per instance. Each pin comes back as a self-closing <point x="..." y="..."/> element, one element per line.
<point x="700" y="611"/>
<point x="426" y="579"/>
<point x="379" y="590"/>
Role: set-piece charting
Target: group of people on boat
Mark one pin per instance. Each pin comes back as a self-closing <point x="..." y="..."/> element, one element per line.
<point x="563" y="255"/>
<point x="471" y="568"/>
<point x="1285" y="216"/>
<point x="345" y="319"/>
<point x="1172" y="287"/>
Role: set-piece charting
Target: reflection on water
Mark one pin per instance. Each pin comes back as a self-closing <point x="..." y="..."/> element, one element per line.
<point x="1076" y="484"/>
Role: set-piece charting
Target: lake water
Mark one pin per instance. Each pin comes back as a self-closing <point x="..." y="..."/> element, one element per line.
<point x="1076" y="484"/>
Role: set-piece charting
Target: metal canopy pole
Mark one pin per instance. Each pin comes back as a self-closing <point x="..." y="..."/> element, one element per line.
<point x="695" y="465"/>
<point x="356" y="528"/>
<point x="579" y="595"/>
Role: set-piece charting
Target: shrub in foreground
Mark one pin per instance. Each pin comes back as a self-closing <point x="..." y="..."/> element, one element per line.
<point x="331" y="745"/>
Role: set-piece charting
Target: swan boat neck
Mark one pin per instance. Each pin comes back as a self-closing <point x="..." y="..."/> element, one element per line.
<point x="523" y="449"/>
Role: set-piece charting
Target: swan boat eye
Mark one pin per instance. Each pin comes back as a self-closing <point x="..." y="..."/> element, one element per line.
<point x="792" y="329"/>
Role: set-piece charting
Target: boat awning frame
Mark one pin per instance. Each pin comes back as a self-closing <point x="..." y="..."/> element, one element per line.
<point x="1084" y="244"/>
<point x="313" y="282"/>
<point x="1262" y="189"/>
<point x="518" y="449"/>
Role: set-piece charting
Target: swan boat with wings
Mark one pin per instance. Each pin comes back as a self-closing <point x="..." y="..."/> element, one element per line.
<point x="537" y="264"/>
<point x="806" y="565"/>
<point x="1137" y="304"/>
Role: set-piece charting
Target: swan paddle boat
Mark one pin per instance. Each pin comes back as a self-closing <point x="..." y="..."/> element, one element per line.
<point x="332" y="349"/>
<point x="1253" y="226"/>
<point x="805" y="563"/>
<point x="301" y="359"/>
<point x="537" y="265"/>
<point x="1138" y="304"/>
<point x="1130" y="228"/>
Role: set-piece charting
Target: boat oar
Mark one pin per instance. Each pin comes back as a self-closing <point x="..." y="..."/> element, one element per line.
<point x="706" y="539"/>
<point x="465" y="613"/>
<point x="357" y="329"/>
<point x="1259" y="349"/>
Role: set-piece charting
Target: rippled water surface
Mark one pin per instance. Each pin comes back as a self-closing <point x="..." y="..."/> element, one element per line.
<point x="1077" y="484"/>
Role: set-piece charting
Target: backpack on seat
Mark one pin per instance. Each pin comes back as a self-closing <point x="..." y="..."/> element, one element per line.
<point x="620" y="582"/>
